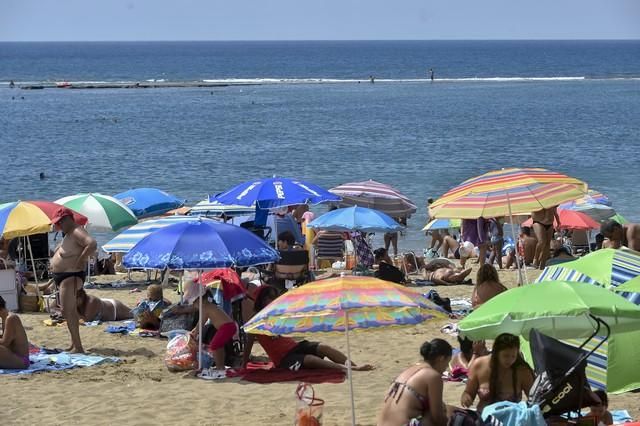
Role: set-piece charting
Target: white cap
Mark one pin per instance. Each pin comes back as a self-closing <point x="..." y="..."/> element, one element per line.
<point x="466" y="249"/>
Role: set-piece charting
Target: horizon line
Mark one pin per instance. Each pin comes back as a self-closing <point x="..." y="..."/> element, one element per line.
<point x="314" y="40"/>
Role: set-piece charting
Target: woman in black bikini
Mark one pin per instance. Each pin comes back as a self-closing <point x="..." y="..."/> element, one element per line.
<point x="543" y="228"/>
<point x="415" y="397"/>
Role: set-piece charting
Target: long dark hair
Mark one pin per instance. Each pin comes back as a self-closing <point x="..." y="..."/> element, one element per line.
<point x="466" y="347"/>
<point x="502" y="342"/>
<point x="430" y="351"/>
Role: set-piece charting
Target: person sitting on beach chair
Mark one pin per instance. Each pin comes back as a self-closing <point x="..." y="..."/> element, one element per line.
<point x="290" y="354"/>
<point x="14" y="344"/>
<point x="93" y="308"/>
<point x="293" y="266"/>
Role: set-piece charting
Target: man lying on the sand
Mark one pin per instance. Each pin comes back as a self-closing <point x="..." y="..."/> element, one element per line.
<point x="443" y="272"/>
<point x="93" y="308"/>
<point x="14" y="345"/>
<point x="287" y="353"/>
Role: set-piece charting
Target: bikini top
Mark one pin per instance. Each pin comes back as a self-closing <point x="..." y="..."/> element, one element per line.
<point x="397" y="389"/>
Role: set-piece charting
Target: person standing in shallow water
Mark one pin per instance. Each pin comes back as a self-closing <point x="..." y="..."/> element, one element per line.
<point x="68" y="265"/>
<point x="431" y="74"/>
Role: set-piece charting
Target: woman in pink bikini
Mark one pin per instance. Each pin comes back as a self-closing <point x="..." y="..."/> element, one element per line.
<point x="14" y="345"/>
<point x="501" y="376"/>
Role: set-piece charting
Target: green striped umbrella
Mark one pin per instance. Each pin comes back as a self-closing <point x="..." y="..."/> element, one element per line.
<point x="104" y="213"/>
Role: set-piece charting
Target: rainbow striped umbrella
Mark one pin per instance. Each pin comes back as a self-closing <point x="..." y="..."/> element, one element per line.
<point x="340" y="305"/>
<point x="507" y="192"/>
<point x="23" y="218"/>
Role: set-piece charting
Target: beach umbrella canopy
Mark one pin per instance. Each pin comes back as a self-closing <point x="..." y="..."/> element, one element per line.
<point x="199" y="244"/>
<point x="590" y="198"/>
<point x="124" y="241"/>
<point x="375" y="195"/>
<point x="275" y="192"/>
<point x="619" y="218"/>
<point x="570" y="219"/>
<point x="556" y="308"/>
<point x="356" y="219"/>
<point x="147" y="202"/>
<point x="606" y="267"/>
<point x="619" y="270"/>
<point x="340" y="305"/>
<point x="23" y="218"/>
<point x="104" y="213"/>
<point x="507" y="192"/>
<point x="442" y="224"/>
<point x="211" y="207"/>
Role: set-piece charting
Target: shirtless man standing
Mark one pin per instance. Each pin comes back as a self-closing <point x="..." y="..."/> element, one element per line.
<point x="622" y="235"/>
<point x="14" y="345"/>
<point x="543" y="228"/>
<point x="68" y="265"/>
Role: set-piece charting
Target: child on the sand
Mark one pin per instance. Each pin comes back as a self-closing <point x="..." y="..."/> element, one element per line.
<point x="601" y="411"/>
<point x="148" y="311"/>
<point x="286" y="352"/>
<point x="226" y="328"/>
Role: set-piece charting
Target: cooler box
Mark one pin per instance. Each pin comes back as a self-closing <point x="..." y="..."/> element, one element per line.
<point x="8" y="287"/>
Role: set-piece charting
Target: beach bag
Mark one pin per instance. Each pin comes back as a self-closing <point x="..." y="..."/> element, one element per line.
<point x="181" y="353"/>
<point x="462" y="417"/>
<point x="308" y="406"/>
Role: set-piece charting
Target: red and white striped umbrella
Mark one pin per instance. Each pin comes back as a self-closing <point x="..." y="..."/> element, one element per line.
<point x="375" y="195"/>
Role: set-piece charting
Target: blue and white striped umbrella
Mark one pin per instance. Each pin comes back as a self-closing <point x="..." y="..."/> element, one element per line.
<point x="124" y="241"/>
<point x="276" y="192"/>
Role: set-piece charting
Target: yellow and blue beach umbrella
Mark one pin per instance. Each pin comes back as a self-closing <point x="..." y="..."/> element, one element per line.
<point x="22" y="218"/>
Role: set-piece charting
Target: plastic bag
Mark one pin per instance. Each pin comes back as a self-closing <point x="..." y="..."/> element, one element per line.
<point x="308" y="407"/>
<point x="182" y="353"/>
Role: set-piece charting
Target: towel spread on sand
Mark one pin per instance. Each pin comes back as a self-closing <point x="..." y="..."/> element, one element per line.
<point x="266" y="373"/>
<point x="43" y="361"/>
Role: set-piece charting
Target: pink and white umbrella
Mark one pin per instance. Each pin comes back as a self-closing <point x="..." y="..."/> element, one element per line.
<point x="375" y="195"/>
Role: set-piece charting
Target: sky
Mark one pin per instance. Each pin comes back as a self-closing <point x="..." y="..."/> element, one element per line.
<point x="142" y="20"/>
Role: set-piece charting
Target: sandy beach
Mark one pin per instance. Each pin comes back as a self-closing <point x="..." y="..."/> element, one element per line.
<point x="140" y="390"/>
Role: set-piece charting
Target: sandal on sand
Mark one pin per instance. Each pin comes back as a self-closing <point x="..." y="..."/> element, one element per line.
<point x="212" y="374"/>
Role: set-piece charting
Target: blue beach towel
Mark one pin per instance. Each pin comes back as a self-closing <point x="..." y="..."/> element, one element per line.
<point x="63" y="361"/>
<point x="125" y="328"/>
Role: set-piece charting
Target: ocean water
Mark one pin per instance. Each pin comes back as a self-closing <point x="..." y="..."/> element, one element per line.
<point x="573" y="107"/>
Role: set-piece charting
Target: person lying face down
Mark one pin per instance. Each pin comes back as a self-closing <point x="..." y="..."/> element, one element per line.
<point x="290" y="354"/>
<point x="93" y="308"/>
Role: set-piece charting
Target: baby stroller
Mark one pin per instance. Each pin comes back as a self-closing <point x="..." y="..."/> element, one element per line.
<point x="561" y="384"/>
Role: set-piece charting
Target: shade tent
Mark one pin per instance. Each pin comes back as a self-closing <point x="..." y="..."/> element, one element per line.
<point x="375" y="195"/>
<point x="148" y="202"/>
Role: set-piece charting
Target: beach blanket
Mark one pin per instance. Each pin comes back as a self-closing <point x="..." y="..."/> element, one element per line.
<point x="125" y="328"/>
<point x="42" y="360"/>
<point x="265" y="373"/>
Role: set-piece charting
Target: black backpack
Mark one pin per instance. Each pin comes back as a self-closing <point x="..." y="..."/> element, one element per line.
<point x="389" y="272"/>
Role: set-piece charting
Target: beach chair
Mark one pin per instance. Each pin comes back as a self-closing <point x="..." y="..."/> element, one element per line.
<point x="330" y="247"/>
<point x="292" y="269"/>
<point x="264" y="232"/>
<point x="580" y="242"/>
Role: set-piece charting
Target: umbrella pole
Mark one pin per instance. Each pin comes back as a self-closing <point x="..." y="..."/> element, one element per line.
<point x="33" y="263"/>
<point x="349" y="372"/>
<point x="515" y="241"/>
<point x="199" y="323"/>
